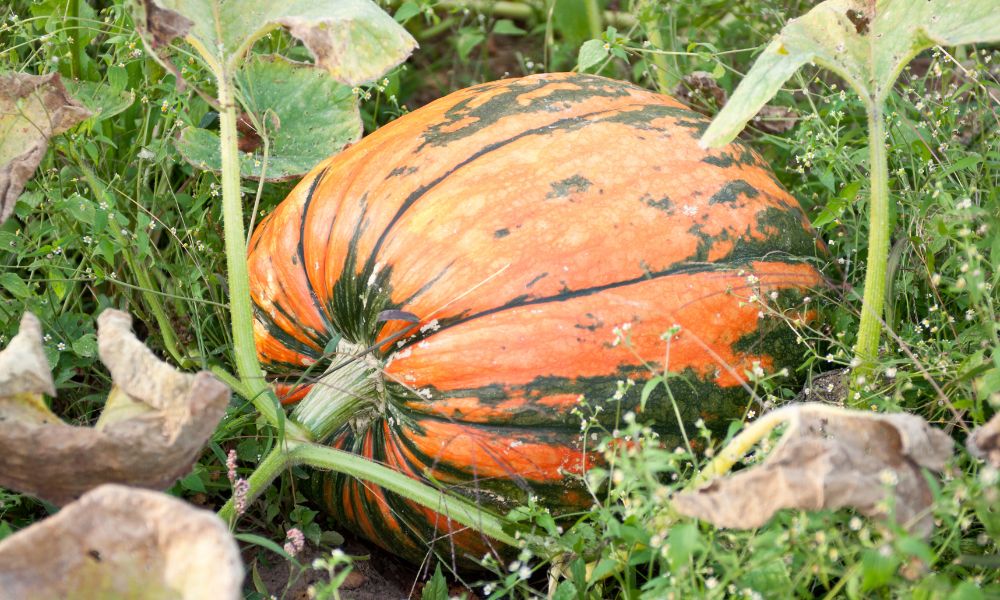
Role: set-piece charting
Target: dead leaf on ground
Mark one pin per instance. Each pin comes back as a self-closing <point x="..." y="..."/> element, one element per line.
<point x="700" y="91"/>
<point x="153" y="427"/>
<point x="120" y="542"/>
<point x="984" y="442"/>
<point x="830" y="458"/>
<point x="33" y="108"/>
<point x="775" y="119"/>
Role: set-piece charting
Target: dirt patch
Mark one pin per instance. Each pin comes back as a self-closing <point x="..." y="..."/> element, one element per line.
<point x="381" y="576"/>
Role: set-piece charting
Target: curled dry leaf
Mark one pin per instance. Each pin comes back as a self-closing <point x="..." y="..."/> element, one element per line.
<point x="984" y="442"/>
<point x="830" y="458"/>
<point x="154" y="424"/>
<point x="33" y="108"/>
<point x="120" y="542"/>
<point x="775" y="119"/>
<point x="701" y="92"/>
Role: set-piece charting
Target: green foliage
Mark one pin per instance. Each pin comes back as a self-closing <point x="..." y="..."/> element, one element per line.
<point x="436" y="588"/>
<point x="302" y="114"/>
<point x="867" y="43"/>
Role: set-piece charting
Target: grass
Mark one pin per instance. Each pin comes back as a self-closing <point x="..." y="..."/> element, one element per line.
<point x="115" y="217"/>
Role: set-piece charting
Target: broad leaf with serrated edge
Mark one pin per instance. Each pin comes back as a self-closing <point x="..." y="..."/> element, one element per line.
<point x="306" y="116"/>
<point x="354" y="40"/>
<point x="867" y="42"/>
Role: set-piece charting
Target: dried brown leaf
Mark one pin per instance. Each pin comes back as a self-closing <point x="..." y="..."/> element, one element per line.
<point x="701" y="92"/>
<point x="775" y="119"/>
<point x="831" y="458"/>
<point x="33" y="108"/>
<point x="153" y="427"/>
<point x="984" y="442"/>
<point x="120" y="542"/>
<point x="159" y="25"/>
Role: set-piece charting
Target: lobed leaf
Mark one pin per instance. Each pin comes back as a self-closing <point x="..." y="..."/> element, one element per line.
<point x="354" y="40"/>
<point x="866" y="42"/>
<point x="306" y="114"/>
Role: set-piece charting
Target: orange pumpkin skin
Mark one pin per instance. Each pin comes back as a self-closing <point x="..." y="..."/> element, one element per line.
<point x="528" y="223"/>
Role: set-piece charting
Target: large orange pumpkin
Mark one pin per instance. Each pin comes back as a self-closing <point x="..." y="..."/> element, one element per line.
<point x="522" y="221"/>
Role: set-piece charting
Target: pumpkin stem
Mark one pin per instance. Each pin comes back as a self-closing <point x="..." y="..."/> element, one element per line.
<point x="351" y="390"/>
<point x="872" y="306"/>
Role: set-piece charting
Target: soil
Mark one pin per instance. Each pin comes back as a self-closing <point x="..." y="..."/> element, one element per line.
<point x="381" y="576"/>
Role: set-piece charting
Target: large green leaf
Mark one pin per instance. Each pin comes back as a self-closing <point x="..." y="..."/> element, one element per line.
<point x="867" y="42"/>
<point x="352" y="39"/>
<point x="306" y="116"/>
<point x="103" y="101"/>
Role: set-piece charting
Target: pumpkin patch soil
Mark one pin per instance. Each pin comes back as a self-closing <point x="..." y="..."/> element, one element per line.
<point x="381" y="577"/>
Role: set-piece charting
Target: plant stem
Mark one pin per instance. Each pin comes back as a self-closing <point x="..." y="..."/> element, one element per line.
<point x="349" y="389"/>
<point x="594" y="18"/>
<point x="244" y="349"/>
<point x="146" y="288"/>
<point x="267" y="470"/>
<point x="651" y="24"/>
<point x="455" y="508"/>
<point x="866" y="350"/>
<point x="77" y="31"/>
<point x="739" y="446"/>
<point x="302" y="453"/>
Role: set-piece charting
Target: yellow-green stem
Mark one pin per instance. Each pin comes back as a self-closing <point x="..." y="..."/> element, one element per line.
<point x="739" y="446"/>
<point x="291" y="454"/>
<point x="651" y="24"/>
<point x="594" y="21"/>
<point x="241" y="315"/>
<point x="870" y="329"/>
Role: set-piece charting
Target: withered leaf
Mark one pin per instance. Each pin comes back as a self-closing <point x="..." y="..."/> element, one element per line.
<point x="701" y="92"/>
<point x="830" y="458"/>
<point x="153" y="426"/>
<point x="120" y="542"/>
<point x="775" y="119"/>
<point x="985" y="441"/>
<point x="33" y="108"/>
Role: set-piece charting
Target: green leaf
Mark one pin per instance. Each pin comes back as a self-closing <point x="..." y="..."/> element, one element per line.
<point x="468" y="38"/>
<point x="966" y="591"/>
<point x="263" y="542"/>
<point x="565" y="591"/>
<point x="85" y="346"/>
<point x="436" y="588"/>
<point x="866" y="42"/>
<point x="13" y="284"/>
<point x="406" y="11"/>
<point x="100" y="99"/>
<point x="507" y="27"/>
<point x="352" y="39"/>
<point x="684" y="542"/>
<point x="305" y="113"/>
<point x="591" y="53"/>
<point x="192" y="482"/>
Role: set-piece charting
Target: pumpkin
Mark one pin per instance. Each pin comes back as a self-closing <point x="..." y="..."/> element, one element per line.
<point x="526" y="224"/>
